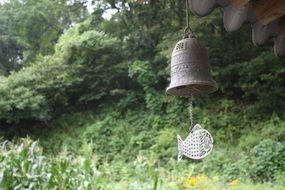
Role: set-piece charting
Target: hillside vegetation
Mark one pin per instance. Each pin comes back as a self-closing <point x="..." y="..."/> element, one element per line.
<point x="83" y="102"/>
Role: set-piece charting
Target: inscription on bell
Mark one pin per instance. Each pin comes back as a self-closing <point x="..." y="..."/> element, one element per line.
<point x="181" y="58"/>
<point x="187" y="58"/>
<point x="180" y="68"/>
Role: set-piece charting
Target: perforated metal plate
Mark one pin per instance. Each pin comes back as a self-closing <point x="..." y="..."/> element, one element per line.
<point x="197" y="145"/>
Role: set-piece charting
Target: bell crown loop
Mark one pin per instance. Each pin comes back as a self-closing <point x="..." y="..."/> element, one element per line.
<point x="188" y="33"/>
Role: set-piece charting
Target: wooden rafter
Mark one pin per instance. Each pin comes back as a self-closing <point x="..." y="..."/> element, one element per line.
<point x="282" y="26"/>
<point x="239" y="3"/>
<point x="267" y="11"/>
<point x="267" y="18"/>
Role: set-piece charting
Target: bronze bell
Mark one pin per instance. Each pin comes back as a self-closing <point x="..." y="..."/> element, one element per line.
<point x="190" y="69"/>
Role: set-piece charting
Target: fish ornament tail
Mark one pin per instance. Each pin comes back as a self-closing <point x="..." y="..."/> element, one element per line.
<point x="180" y="148"/>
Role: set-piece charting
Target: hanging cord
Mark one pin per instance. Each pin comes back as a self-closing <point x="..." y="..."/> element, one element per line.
<point x="190" y="112"/>
<point x="188" y="31"/>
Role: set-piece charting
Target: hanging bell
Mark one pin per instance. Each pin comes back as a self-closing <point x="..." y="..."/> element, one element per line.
<point x="190" y="69"/>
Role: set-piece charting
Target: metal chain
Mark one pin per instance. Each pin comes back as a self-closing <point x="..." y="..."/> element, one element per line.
<point x="188" y="29"/>
<point x="190" y="112"/>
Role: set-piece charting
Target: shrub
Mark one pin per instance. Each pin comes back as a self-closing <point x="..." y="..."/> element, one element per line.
<point x="267" y="160"/>
<point x="78" y="71"/>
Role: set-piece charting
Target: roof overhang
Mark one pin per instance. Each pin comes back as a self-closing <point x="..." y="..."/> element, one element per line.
<point x="267" y="18"/>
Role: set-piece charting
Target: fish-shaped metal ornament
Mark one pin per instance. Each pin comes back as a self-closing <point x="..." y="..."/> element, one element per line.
<point x="197" y="145"/>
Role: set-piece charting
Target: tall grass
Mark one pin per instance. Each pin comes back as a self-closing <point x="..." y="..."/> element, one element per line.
<point x="23" y="166"/>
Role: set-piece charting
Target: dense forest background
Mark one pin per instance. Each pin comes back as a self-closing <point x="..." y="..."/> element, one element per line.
<point x="83" y="102"/>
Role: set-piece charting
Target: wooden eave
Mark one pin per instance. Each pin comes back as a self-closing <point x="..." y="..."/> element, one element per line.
<point x="267" y="18"/>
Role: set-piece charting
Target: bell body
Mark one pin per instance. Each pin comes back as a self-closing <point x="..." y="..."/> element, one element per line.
<point x="190" y="69"/>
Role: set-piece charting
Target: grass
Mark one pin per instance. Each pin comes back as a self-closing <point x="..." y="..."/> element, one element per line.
<point x="137" y="150"/>
<point x="23" y="166"/>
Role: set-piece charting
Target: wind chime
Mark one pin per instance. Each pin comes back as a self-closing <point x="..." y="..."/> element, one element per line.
<point x="191" y="76"/>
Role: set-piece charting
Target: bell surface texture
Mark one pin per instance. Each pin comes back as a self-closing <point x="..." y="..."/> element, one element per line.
<point x="190" y="69"/>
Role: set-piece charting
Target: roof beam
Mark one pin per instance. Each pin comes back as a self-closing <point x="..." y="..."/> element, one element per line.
<point x="268" y="10"/>
<point x="282" y="26"/>
<point x="239" y="3"/>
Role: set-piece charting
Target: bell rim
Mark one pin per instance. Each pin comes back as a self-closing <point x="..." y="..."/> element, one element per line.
<point x="213" y="87"/>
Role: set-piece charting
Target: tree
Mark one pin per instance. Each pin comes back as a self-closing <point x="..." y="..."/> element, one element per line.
<point x="36" y="25"/>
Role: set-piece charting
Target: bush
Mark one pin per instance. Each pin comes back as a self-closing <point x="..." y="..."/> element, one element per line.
<point x="267" y="160"/>
<point x="77" y="73"/>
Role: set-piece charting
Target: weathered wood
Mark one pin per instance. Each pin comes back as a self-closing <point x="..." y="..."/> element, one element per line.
<point x="282" y="26"/>
<point x="239" y="3"/>
<point x="261" y="33"/>
<point x="202" y="7"/>
<point x="234" y="17"/>
<point x="223" y="3"/>
<point x="267" y="11"/>
<point x="279" y="45"/>
<point x="266" y="16"/>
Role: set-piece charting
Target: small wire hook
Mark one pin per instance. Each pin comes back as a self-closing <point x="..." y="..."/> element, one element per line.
<point x="188" y="33"/>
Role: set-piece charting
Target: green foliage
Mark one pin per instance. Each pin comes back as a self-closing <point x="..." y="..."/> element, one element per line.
<point x="54" y="69"/>
<point x="24" y="167"/>
<point x="24" y="103"/>
<point x="37" y="24"/>
<point x="10" y="53"/>
<point x="268" y="159"/>
<point x="56" y="81"/>
<point x="273" y="128"/>
<point x="77" y="71"/>
<point x="263" y="163"/>
<point x="266" y="77"/>
<point x="143" y="73"/>
<point x="112" y="136"/>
